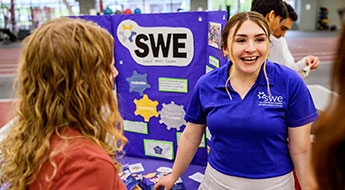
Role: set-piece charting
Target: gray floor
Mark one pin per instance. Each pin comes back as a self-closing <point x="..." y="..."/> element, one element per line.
<point x="311" y="34"/>
<point x="10" y="45"/>
<point x="321" y="76"/>
<point x="6" y="87"/>
<point x="6" y="82"/>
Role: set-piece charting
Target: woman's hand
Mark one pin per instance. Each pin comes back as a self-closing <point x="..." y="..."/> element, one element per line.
<point x="188" y="144"/>
<point x="166" y="181"/>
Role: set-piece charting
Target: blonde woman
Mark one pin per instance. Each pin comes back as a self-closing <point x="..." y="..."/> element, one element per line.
<point x="63" y="137"/>
<point x="251" y="106"/>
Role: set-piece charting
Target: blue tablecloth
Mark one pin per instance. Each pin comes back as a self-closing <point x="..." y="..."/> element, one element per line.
<point x="150" y="165"/>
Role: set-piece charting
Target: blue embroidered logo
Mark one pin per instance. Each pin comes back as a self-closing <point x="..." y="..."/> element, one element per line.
<point x="158" y="150"/>
<point x="265" y="100"/>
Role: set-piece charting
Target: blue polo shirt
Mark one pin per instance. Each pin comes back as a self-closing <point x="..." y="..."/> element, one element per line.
<point x="249" y="136"/>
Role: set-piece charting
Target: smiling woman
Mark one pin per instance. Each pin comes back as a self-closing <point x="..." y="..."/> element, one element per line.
<point x="247" y="45"/>
<point x="249" y="148"/>
<point x="248" y="48"/>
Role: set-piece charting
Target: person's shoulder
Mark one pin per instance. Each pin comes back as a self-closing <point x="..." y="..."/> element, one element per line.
<point x="274" y="39"/>
<point x="282" y="40"/>
<point x="74" y="146"/>
<point x="275" y="50"/>
<point x="87" y="150"/>
<point x="82" y="155"/>
<point x="76" y="157"/>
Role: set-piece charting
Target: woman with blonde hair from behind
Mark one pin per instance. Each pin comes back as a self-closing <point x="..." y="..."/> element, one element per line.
<point x="68" y="128"/>
<point x="329" y="145"/>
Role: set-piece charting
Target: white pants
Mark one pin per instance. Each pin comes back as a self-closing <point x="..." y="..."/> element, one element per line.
<point x="215" y="180"/>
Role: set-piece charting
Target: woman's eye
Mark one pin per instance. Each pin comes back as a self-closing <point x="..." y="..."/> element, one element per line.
<point x="240" y="40"/>
<point x="261" y="39"/>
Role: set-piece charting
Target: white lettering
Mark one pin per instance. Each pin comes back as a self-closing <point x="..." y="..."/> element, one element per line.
<point x="280" y="99"/>
<point x="272" y="98"/>
<point x="138" y="82"/>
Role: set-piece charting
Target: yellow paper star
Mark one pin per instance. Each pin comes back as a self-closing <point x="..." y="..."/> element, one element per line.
<point x="146" y="108"/>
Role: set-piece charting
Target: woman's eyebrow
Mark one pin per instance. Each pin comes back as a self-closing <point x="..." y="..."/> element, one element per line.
<point x="256" y="35"/>
<point x="261" y="34"/>
<point x="242" y="35"/>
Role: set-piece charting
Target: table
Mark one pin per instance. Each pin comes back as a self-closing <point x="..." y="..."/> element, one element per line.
<point x="150" y="165"/>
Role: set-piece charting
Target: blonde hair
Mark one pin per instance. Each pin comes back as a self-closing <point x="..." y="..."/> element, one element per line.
<point x="64" y="80"/>
<point x="237" y="20"/>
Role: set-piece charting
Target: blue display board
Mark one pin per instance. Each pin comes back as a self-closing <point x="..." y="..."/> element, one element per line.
<point x="160" y="57"/>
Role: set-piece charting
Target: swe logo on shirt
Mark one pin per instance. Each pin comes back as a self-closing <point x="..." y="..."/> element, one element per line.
<point x="266" y="100"/>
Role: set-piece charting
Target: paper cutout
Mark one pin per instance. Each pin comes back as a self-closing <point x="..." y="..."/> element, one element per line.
<point x="126" y="32"/>
<point x="129" y="27"/>
<point x="160" y="149"/>
<point x="172" y="116"/>
<point x="208" y="69"/>
<point x="173" y="85"/>
<point x="146" y="108"/>
<point x="163" y="169"/>
<point x="150" y="175"/>
<point x="135" y="127"/>
<point x="135" y="168"/>
<point x="123" y="36"/>
<point x="213" y="61"/>
<point x="198" y="177"/>
<point x="138" y="82"/>
<point x="132" y="36"/>
<point x="208" y="134"/>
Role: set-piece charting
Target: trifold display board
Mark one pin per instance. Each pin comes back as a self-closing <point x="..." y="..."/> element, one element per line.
<point x="160" y="57"/>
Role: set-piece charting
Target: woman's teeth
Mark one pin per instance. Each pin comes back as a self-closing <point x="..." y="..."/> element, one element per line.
<point x="249" y="58"/>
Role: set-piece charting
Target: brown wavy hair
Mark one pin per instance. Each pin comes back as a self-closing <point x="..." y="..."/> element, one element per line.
<point x="329" y="146"/>
<point x="64" y="80"/>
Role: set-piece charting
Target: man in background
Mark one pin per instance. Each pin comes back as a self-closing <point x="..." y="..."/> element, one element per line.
<point x="274" y="12"/>
<point x="284" y="56"/>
